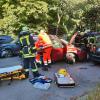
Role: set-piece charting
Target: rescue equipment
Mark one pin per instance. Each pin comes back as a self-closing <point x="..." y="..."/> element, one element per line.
<point x="41" y="82"/>
<point x="63" y="79"/>
<point x="11" y="73"/>
<point x="63" y="72"/>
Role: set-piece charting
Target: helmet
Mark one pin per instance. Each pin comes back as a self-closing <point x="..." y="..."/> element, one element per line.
<point x="42" y="31"/>
<point x="25" y="28"/>
<point x="63" y="71"/>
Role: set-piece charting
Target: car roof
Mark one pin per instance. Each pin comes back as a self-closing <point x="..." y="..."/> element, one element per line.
<point x="5" y="39"/>
<point x="91" y="34"/>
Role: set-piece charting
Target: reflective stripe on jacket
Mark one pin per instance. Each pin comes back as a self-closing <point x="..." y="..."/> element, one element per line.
<point x="30" y="49"/>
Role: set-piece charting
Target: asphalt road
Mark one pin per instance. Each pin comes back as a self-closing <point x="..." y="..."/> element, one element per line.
<point x="86" y="76"/>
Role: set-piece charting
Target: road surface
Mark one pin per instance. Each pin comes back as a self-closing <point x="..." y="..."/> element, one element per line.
<point x="86" y="76"/>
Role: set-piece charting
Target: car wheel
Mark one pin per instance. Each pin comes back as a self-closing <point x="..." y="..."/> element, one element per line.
<point x="70" y="58"/>
<point x="6" y="53"/>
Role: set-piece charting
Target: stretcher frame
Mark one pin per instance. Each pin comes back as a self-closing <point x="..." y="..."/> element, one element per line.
<point x="70" y="84"/>
<point x="12" y="73"/>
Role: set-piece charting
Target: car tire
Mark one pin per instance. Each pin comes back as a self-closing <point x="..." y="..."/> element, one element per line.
<point x="6" y="53"/>
<point x="70" y="58"/>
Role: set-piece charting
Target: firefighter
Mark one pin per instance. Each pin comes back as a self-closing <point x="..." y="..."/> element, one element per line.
<point x="28" y="51"/>
<point x="47" y="48"/>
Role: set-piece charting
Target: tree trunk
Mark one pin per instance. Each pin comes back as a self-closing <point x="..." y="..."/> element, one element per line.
<point x="59" y="19"/>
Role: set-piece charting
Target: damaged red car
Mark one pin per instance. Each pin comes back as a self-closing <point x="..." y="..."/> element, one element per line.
<point x="64" y="50"/>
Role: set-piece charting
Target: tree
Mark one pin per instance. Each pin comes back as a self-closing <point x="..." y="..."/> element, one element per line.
<point x="66" y="14"/>
<point x="92" y="15"/>
<point x="18" y="13"/>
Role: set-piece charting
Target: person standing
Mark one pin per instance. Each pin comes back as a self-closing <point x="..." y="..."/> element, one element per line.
<point x="28" y="51"/>
<point x="47" y="48"/>
<point x="39" y="54"/>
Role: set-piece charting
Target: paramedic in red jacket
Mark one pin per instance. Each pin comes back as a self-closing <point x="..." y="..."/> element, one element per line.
<point x="39" y="54"/>
<point x="47" y="48"/>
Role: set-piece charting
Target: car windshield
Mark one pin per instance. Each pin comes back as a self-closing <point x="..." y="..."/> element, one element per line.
<point x="5" y="39"/>
<point x="14" y="41"/>
<point x="56" y="41"/>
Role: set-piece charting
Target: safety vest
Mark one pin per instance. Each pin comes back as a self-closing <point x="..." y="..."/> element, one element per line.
<point x="45" y="38"/>
<point x="27" y="50"/>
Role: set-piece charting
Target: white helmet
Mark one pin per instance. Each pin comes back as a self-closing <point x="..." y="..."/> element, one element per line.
<point x="42" y="31"/>
<point x="25" y="28"/>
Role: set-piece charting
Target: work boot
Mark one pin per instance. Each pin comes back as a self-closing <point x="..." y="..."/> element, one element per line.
<point x="26" y="74"/>
<point x="39" y="65"/>
<point x="36" y="74"/>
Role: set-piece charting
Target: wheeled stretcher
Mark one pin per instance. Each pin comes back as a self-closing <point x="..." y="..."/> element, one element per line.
<point x="11" y="73"/>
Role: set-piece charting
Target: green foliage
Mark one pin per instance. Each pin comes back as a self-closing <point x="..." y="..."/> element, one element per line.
<point x="92" y="18"/>
<point x="32" y="13"/>
<point x="92" y="95"/>
<point x="66" y="16"/>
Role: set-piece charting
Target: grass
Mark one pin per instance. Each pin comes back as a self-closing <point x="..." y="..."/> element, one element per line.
<point x="93" y="95"/>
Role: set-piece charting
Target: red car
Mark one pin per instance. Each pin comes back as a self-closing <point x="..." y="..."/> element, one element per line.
<point x="62" y="49"/>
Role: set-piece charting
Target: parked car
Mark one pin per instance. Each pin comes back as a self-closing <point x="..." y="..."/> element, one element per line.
<point x="95" y="48"/>
<point x="90" y="41"/>
<point x="5" y="39"/>
<point x="9" y="48"/>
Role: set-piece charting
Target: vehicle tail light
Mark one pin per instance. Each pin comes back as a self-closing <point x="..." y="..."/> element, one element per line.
<point x="93" y="49"/>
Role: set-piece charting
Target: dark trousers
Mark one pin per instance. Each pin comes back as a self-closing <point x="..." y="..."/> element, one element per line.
<point x="30" y="63"/>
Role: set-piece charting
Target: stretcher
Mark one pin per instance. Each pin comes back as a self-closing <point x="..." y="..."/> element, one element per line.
<point x="64" y="81"/>
<point x="12" y="73"/>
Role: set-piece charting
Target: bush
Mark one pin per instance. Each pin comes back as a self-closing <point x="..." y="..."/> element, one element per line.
<point x="93" y="95"/>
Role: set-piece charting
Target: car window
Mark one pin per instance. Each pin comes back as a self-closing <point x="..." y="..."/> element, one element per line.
<point x="5" y="39"/>
<point x="56" y="42"/>
<point x="98" y="41"/>
<point x="92" y="40"/>
<point x="1" y="41"/>
<point x="15" y="40"/>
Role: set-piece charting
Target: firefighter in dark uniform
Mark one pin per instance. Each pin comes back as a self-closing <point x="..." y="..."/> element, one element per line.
<point x="28" y="52"/>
